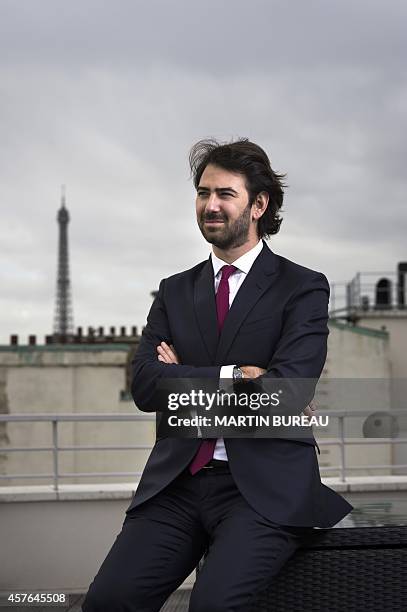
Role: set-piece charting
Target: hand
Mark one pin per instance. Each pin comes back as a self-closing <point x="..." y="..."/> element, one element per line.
<point x="311" y="409"/>
<point x="167" y="354"/>
<point x="252" y="371"/>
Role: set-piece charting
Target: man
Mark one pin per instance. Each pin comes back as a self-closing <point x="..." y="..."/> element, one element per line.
<point x="244" y="313"/>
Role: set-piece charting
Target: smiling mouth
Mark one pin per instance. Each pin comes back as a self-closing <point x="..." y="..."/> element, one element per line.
<point x="214" y="221"/>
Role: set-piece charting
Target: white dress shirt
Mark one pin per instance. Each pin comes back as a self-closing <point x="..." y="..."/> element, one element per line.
<point x="243" y="265"/>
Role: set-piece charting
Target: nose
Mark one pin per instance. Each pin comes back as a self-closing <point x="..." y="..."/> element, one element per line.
<point x="213" y="203"/>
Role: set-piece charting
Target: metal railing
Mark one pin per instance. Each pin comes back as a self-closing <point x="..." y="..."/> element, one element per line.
<point x="363" y="294"/>
<point x="56" y="419"/>
<point x="56" y="448"/>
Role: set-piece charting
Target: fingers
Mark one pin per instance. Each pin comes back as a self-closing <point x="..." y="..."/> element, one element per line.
<point x="167" y="354"/>
<point x="312" y="405"/>
<point x="252" y="371"/>
<point x="310" y="409"/>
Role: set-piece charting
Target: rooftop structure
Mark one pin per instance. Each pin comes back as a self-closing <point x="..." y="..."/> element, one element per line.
<point x="371" y="295"/>
<point x="93" y="335"/>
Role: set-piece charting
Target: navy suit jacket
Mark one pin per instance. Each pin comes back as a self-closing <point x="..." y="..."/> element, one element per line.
<point x="278" y="321"/>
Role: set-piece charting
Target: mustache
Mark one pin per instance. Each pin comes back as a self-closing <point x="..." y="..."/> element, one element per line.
<point x="213" y="217"/>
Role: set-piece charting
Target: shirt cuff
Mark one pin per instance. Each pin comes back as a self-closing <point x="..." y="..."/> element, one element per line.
<point x="227" y="371"/>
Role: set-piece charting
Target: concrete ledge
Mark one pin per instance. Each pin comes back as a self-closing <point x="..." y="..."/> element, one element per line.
<point x="367" y="483"/>
<point x="75" y="492"/>
<point x="359" y="329"/>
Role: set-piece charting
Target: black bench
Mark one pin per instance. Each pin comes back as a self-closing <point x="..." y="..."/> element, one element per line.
<point x="360" y="569"/>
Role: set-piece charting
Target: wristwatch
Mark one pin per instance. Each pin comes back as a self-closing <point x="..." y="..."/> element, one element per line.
<point x="237" y="373"/>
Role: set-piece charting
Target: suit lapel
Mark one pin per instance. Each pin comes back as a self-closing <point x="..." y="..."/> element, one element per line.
<point x="255" y="284"/>
<point x="205" y="308"/>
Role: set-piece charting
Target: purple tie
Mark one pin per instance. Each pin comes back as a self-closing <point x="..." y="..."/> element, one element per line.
<point x="206" y="450"/>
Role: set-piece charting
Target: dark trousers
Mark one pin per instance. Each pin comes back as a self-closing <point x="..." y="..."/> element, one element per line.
<point x="163" y="539"/>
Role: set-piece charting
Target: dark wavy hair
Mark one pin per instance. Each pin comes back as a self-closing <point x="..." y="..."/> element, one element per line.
<point x="250" y="160"/>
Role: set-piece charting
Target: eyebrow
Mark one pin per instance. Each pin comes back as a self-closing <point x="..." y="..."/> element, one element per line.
<point x="217" y="189"/>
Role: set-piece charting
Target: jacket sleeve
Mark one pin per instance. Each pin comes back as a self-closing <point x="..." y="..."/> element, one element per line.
<point x="302" y="347"/>
<point x="147" y="370"/>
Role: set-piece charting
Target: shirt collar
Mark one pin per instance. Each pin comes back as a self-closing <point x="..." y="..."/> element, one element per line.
<point x="243" y="263"/>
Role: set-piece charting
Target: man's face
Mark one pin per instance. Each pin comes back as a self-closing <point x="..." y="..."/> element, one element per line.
<point x="222" y="208"/>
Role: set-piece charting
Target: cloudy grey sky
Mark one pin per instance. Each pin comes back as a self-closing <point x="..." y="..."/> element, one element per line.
<point x="108" y="96"/>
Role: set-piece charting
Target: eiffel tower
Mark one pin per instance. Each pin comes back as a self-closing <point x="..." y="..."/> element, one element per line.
<point x="63" y="319"/>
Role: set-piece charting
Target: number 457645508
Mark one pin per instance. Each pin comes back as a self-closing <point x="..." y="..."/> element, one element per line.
<point x="26" y="598"/>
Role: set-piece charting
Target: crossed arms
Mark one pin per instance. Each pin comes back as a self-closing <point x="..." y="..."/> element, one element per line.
<point x="299" y="353"/>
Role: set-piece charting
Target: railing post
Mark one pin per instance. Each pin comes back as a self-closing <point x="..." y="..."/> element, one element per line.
<point x="341" y="424"/>
<point x="359" y="303"/>
<point x="55" y="453"/>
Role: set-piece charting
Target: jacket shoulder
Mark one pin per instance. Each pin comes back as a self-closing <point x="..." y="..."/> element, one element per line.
<point x="300" y="274"/>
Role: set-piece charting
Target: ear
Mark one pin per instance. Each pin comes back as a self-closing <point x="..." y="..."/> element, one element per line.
<point x="260" y="205"/>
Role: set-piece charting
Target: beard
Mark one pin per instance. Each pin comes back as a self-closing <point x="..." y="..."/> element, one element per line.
<point x="231" y="234"/>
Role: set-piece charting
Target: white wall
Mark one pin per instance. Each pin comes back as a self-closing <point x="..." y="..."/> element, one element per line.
<point x="354" y="352"/>
<point x="69" y="380"/>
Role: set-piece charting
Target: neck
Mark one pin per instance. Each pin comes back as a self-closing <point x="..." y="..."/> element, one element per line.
<point x="230" y="255"/>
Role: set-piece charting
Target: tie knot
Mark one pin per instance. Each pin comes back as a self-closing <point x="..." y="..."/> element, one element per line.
<point x="227" y="271"/>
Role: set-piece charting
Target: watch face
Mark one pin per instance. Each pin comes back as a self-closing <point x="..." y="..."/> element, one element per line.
<point x="237" y="373"/>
